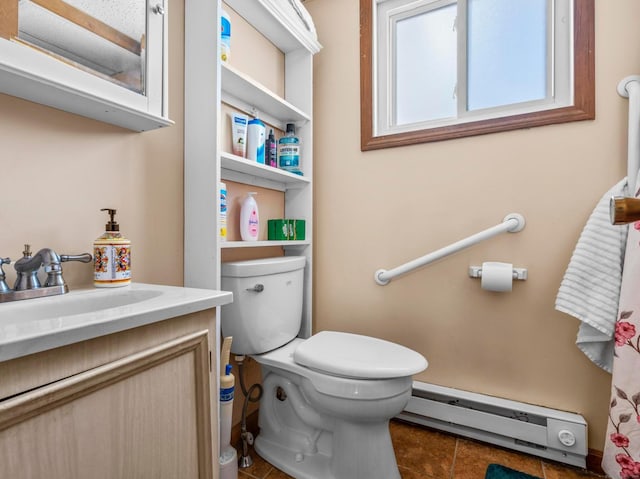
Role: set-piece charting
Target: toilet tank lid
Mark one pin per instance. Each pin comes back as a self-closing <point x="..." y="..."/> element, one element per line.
<point x="355" y="356"/>
<point x="261" y="267"/>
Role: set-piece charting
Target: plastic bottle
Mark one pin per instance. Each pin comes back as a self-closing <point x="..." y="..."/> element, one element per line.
<point x="222" y="219"/>
<point x="249" y="218"/>
<point x="228" y="454"/>
<point x="256" y="140"/>
<point x="112" y="256"/>
<point x="225" y="36"/>
<point x="289" y="151"/>
<point x="271" y="150"/>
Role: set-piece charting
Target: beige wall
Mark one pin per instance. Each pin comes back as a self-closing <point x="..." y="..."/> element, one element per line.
<point x="373" y="210"/>
<point x="59" y="169"/>
<point x="382" y="208"/>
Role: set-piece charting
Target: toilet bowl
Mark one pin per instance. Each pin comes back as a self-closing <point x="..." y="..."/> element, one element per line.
<point x="327" y="400"/>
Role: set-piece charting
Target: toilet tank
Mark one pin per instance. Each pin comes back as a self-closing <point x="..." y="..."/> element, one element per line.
<point x="267" y="302"/>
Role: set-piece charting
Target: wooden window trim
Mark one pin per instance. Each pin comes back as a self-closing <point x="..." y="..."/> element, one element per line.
<point x="582" y="109"/>
<point x="8" y="19"/>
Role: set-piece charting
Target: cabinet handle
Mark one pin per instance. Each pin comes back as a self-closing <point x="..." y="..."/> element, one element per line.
<point x="158" y="9"/>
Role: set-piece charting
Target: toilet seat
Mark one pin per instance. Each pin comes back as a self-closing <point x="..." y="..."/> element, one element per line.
<point x="355" y="356"/>
<point x="281" y="360"/>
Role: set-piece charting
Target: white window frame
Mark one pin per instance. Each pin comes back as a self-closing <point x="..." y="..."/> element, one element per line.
<point x="559" y="64"/>
<point x="378" y="129"/>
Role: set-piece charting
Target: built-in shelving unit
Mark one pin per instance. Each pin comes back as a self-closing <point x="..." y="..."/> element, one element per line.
<point x="261" y="244"/>
<point x="209" y="83"/>
<point x="248" y="95"/>
<point x="236" y="168"/>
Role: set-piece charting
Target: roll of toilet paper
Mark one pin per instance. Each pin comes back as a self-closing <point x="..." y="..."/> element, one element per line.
<point x="497" y="276"/>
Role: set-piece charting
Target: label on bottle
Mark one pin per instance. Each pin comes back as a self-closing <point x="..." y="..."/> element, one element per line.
<point x="225" y="36"/>
<point x="289" y="155"/>
<point x="253" y="224"/>
<point x="223" y="212"/>
<point x="112" y="264"/>
<point x="271" y="154"/>
<point x="226" y="394"/>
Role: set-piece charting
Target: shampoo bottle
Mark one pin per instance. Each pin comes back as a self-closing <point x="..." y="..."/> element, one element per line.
<point x="112" y="256"/>
<point x="249" y="218"/>
<point x="255" y="140"/>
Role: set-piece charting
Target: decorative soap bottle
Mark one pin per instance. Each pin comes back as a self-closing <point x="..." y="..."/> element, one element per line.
<point x="112" y="256"/>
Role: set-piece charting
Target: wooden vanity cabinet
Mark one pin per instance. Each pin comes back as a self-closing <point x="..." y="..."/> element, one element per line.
<point x="134" y="404"/>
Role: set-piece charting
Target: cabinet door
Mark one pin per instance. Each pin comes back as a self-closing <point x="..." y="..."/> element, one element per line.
<point x="102" y="60"/>
<point x="144" y="416"/>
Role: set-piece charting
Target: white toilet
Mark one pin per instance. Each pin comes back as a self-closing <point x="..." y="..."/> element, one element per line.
<point x="327" y="400"/>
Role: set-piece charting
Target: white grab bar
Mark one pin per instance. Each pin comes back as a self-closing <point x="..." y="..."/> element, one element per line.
<point x="629" y="87"/>
<point x="512" y="223"/>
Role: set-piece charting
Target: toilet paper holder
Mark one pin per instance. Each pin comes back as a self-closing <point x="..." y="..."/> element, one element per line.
<point x="518" y="273"/>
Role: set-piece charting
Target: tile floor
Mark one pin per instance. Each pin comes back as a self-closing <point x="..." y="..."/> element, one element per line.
<point x="423" y="453"/>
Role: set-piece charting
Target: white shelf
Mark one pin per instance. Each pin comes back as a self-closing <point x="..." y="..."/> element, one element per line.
<point x="236" y="168"/>
<point x="209" y="84"/>
<point x="262" y="244"/>
<point x="244" y="93"/>
<point x="277" y="21"/>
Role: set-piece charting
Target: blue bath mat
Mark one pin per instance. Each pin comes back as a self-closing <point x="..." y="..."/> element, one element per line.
<point x="496" y="471"/>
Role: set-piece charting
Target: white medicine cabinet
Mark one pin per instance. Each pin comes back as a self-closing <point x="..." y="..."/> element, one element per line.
<point x="102" y="60"/>
<point x="210" y="83"/>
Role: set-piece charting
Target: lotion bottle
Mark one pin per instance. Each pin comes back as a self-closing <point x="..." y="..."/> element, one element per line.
<point x="249" y="218"/>
<point x="112" y="256"/>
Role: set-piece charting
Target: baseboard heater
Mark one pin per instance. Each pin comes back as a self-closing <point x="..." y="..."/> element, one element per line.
<point x="557" y="435"/>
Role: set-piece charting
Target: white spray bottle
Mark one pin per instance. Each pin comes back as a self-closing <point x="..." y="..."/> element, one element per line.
<point x="228" y="455"/>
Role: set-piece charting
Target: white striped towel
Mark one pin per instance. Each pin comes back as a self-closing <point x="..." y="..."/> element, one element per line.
<point x="590" y="289"/>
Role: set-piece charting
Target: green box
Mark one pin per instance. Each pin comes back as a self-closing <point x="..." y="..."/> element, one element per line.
<point x="278" y="229"/>
<point x="297" y="230"/>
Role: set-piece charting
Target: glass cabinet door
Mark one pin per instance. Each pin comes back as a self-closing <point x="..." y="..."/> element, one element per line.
<point x="83" y="44"/>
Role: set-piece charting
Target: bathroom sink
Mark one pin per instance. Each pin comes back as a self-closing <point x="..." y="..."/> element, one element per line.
<point x="71" y="305"/>
<point x="35" y="325"/>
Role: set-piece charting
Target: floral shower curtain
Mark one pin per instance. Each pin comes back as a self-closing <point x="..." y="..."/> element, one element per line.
<point x="621" y="457"/>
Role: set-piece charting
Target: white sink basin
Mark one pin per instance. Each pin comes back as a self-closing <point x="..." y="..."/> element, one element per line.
<point x="34" y="325"/>
<point x="71" y="304"/>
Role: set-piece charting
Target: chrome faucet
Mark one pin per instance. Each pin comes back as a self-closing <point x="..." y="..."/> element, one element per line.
<point x="27" y="283"/>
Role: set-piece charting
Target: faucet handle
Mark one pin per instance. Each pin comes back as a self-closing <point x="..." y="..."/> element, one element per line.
<point x="4" y="288"/>
<point x="83" y="258"/>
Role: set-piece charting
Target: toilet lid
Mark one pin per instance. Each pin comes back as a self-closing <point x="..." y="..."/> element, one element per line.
<point x="356" y="356"/>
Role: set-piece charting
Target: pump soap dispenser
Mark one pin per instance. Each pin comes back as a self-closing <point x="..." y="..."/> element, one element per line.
<point x="112" y="253"/>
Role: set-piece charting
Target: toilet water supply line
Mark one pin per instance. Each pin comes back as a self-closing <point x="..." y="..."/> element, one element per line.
<point x="629" y="87"/>
<point x="512" y="223"/>
<point x="247" y="438"/>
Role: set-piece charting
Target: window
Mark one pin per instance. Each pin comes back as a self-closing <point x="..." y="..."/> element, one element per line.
<point x="438" y="69"/>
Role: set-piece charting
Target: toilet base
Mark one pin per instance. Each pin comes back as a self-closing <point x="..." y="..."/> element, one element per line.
<point x="310" y="467"/>
<point x="362" y="452"/>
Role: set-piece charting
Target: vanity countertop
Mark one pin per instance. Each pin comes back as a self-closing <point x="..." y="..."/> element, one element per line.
<point x="35" y="325"/>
